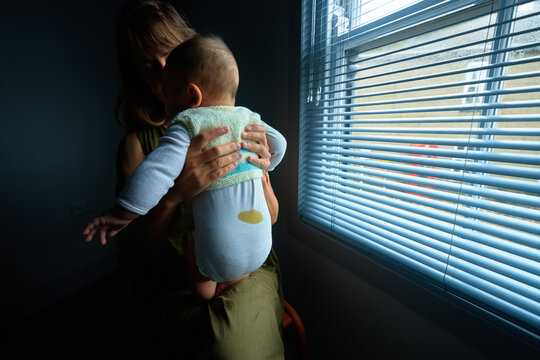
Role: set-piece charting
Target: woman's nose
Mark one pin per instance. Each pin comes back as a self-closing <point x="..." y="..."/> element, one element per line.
<point x="162" y="60"/>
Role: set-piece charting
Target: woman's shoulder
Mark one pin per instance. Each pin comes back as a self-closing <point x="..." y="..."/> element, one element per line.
<point x="133" y="149"/>
<point x="128" y="156"/>
<point x="149" y="138"/>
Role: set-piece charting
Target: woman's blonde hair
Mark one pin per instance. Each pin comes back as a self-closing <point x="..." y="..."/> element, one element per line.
<point x="141" y="26"/>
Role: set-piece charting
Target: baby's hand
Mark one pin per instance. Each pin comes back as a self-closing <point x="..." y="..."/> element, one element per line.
<point x="107" y="225"/>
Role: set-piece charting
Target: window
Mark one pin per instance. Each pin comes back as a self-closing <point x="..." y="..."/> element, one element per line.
<point x="475" y="83"/>
<point x="420" y="143"/>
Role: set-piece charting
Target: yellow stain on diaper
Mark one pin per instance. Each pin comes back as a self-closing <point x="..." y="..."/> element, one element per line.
<point x="250" y="216"/>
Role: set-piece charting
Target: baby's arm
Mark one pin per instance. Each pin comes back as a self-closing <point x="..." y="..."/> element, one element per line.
<point x="146" y="186"/>
<point x="156" y="174"/>
<point x="277" y="145"/>
<point x="109" y="224"/>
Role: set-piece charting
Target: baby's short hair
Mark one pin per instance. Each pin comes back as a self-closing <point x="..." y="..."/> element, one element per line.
<point x="207" y="61"/>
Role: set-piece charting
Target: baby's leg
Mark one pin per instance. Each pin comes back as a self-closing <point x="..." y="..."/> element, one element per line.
<point x="198" y="283"/>
<point x="222" y="286"/>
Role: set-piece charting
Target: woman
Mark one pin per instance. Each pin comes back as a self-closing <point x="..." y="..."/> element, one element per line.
<point x="243" y="322"/>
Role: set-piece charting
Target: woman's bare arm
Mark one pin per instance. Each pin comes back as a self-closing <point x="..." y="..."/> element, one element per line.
<point x="271" y="199"/>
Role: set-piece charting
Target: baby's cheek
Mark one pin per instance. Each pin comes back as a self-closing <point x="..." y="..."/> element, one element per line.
<point x="250" y="216"/>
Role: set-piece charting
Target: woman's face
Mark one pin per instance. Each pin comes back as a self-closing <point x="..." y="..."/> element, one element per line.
<point x="151" y="69"/>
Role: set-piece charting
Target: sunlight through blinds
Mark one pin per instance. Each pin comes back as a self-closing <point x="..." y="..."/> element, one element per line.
<point x="420" y="142"/>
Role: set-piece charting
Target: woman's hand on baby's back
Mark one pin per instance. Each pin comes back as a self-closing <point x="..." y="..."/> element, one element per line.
<point x="203" y="167"/>
<point x="257" y="133"/>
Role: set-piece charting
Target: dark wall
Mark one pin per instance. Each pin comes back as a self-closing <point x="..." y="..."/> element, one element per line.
<point x="256" y="32"/>
<point x="58" y="82"/>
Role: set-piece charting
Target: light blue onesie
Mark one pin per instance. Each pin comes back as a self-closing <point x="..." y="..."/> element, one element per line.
<point x="232" y="234"/>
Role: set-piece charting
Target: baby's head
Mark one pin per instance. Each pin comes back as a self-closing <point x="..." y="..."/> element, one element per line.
<point x="201" y="71"/>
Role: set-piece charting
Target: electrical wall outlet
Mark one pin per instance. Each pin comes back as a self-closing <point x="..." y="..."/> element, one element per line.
<point x="83" y="207"/>
<point x="77" y="208"/>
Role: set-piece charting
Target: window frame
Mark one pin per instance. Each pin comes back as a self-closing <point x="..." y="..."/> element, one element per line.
<point x="325" y="242"/>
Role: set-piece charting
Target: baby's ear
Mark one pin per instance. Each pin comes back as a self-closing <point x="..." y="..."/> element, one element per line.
<point x="195" y="95"/>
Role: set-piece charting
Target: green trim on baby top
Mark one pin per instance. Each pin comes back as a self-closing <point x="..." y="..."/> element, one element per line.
<point x="236" y="118"/>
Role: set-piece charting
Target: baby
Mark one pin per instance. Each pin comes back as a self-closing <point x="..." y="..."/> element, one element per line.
<point x="232" y="236"/>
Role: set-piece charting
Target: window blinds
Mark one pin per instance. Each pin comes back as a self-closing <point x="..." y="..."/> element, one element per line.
<point x="420" y="142"/>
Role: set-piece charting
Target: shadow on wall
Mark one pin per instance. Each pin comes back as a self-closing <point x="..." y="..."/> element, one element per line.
<point x="59" y="138"/>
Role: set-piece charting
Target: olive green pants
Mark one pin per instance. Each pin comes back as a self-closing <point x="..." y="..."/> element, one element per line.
<point x="244" y="322"/>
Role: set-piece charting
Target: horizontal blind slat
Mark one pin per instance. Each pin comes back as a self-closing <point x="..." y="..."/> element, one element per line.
<point x="481" y="143"/>
<point x="467" y="285"/>
<point x="342" y="228"/>
<point x="417" y="251"/>
<point x="474" y="107"/>
<point x="519" y="185"/>
<point x="412" y="183"/>
<point x="434" y="41"/>
<point x="467" y="217"/>
<point x="472" y="250"/>
<point x="443" y="119"/>
<point x="385" y="222"/>
<point x="449" y="49"/>
<point x="511" y="63"/>
<point x="532" y="159"/>
<point x="529" y="295"/>
<point x="427" y="226"/>
<point x="525" y="75"/>
<point x="508" y="170"/>
<point x="473" y="257"/>
<point x="445" y="97"/>
<point x="514" y="279"/>
<point x="372" y="193"/>
<point x="458" y="5"/>
<point x="457" y="131"/>
<point x="434" y="64"/>
<point x="318" y="166"/>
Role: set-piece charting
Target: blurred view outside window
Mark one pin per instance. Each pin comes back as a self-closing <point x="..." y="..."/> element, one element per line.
<point x="420" y="142"/>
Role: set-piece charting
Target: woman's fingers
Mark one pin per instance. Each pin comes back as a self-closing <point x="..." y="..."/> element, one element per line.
<point x="222" y="171"/>
<point x="263" y="160"/>
<point x="204" y="138"/>
<point x="257" y="136"/>
<point x="202" y="167"/>
<point x="260" y="162"/>
<point x="258" y="144"/>
<point x="223" y="161"/>
<point x="260" y="149"/>
<point x="256" y="128"/>
<point x="219" y="151"/>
